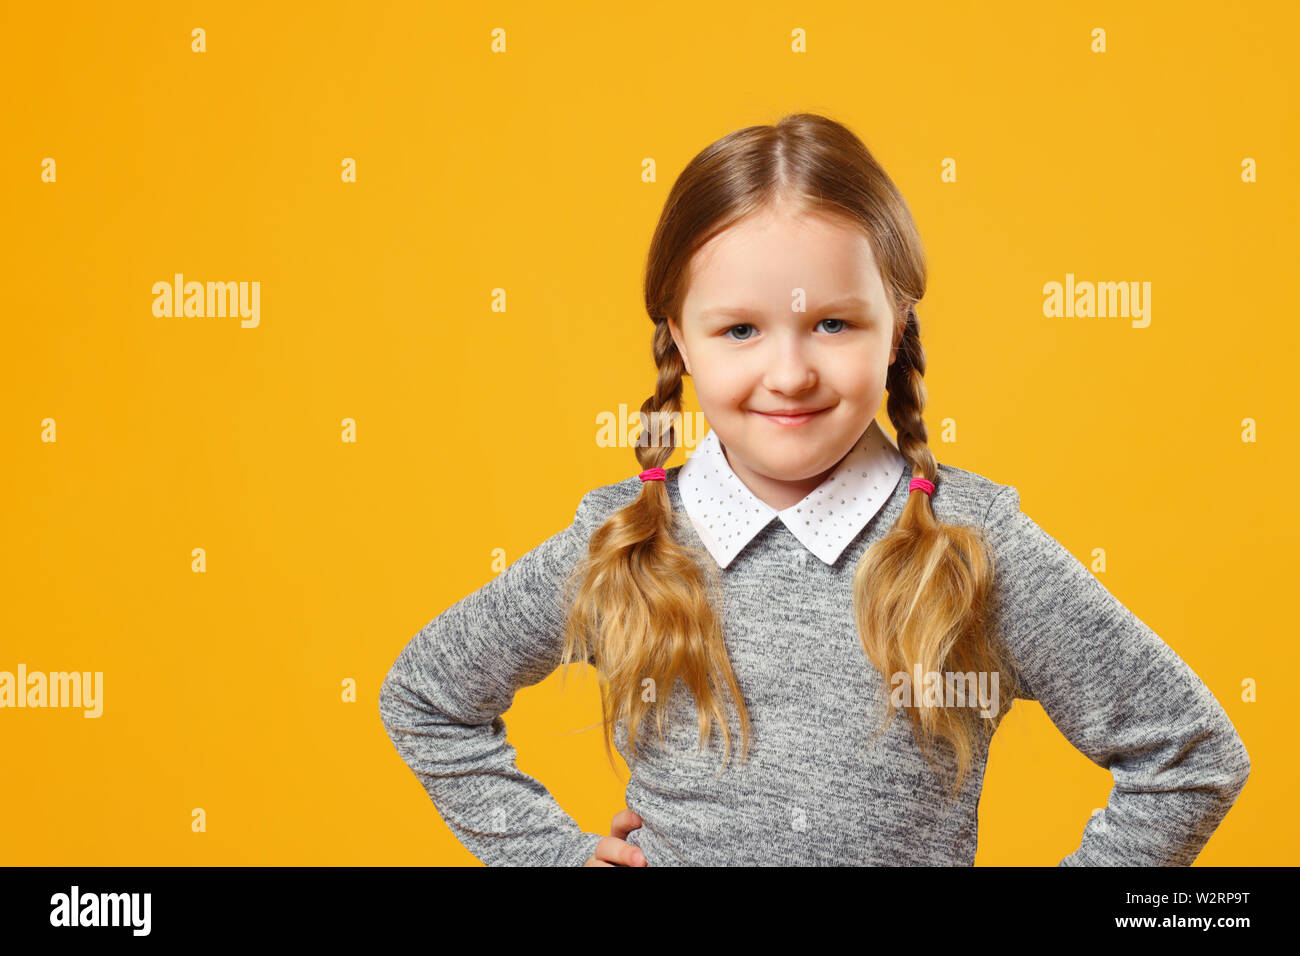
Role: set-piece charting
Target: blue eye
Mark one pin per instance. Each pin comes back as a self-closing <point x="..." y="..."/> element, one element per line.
<point x="746" y="325"/>
<point x="734" y="327"/>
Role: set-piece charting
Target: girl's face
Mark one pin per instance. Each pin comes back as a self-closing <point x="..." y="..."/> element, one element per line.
<point x="750" y="352"/>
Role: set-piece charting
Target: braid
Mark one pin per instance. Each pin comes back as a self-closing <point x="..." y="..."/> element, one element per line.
<point x="905" y="384"/>
<point x="663" y="410"/>
<point x="945" y="569"/>
<point x="646" y="611"/>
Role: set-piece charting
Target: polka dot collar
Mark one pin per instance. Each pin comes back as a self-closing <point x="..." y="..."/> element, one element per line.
<point x="727" y="515"/>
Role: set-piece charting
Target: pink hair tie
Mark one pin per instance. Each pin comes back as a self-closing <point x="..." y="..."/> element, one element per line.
<point x="926" y="486"/>
<point x="653" y="474"/>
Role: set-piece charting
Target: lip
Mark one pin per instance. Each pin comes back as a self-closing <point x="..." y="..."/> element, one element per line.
<point x="792" y="421"/>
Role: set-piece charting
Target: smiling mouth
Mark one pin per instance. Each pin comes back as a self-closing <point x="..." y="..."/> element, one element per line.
<point x="790" y="420"/>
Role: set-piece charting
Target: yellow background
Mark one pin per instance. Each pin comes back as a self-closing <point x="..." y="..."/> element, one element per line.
<point x="476" y="430"/>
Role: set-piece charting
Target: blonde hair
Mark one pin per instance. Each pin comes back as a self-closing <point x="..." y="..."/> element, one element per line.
<point x="643" y="606"/>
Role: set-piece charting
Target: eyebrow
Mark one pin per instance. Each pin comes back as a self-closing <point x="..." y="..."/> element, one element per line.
<point x="741" y="312"/>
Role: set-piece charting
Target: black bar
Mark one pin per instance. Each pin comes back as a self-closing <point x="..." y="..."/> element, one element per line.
<point x="496" y="907"/>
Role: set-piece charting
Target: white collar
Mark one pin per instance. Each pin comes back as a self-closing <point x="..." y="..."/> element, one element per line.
<point x="727" y="515"/>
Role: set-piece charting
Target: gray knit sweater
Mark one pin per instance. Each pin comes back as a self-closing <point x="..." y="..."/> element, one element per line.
<point x="814" y="790"/>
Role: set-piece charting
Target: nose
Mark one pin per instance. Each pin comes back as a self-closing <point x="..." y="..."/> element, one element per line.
<point x="789" y="371"/>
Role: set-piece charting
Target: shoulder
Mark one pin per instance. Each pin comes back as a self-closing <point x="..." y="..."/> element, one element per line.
<point x="967" y="497"/>
<point x="598" y="504"/>
<point x="611" y="497"/>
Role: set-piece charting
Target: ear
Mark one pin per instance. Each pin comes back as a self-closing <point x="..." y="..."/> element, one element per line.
<point x="677" y="338"/>
<point x="899" y="329"/>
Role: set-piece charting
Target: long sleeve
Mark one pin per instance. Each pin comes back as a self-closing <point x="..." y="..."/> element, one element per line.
<point x="441" y="704"/>
<point x="1120" y="694"/>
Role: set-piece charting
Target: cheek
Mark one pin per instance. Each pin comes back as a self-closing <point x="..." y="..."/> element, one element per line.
<point x="722" y="383"/>
<point x="860" y="376"/>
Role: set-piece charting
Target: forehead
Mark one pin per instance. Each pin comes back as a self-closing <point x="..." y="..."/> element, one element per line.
<point x="759" y="262"/>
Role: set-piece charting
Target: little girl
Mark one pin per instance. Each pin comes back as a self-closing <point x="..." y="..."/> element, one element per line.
<point x="801" y="572"/>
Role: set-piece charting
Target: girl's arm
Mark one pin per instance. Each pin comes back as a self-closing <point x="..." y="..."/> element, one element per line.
<point x="442" y="702"/>
<point x="1121" y="695"/>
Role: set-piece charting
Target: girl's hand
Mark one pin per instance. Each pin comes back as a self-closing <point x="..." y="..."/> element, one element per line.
<point x="613" y="850"/>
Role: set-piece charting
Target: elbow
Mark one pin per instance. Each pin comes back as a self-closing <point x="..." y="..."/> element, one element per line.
<point x="1241" y="765"/>
<point x="404" y="707"/>
<point x="1213" y="761"/>
<point x="1230" y="767"/>
<point x="392" y="706"/>
<point x="1225" y="759"/>
<point x="1236" y="759"/>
